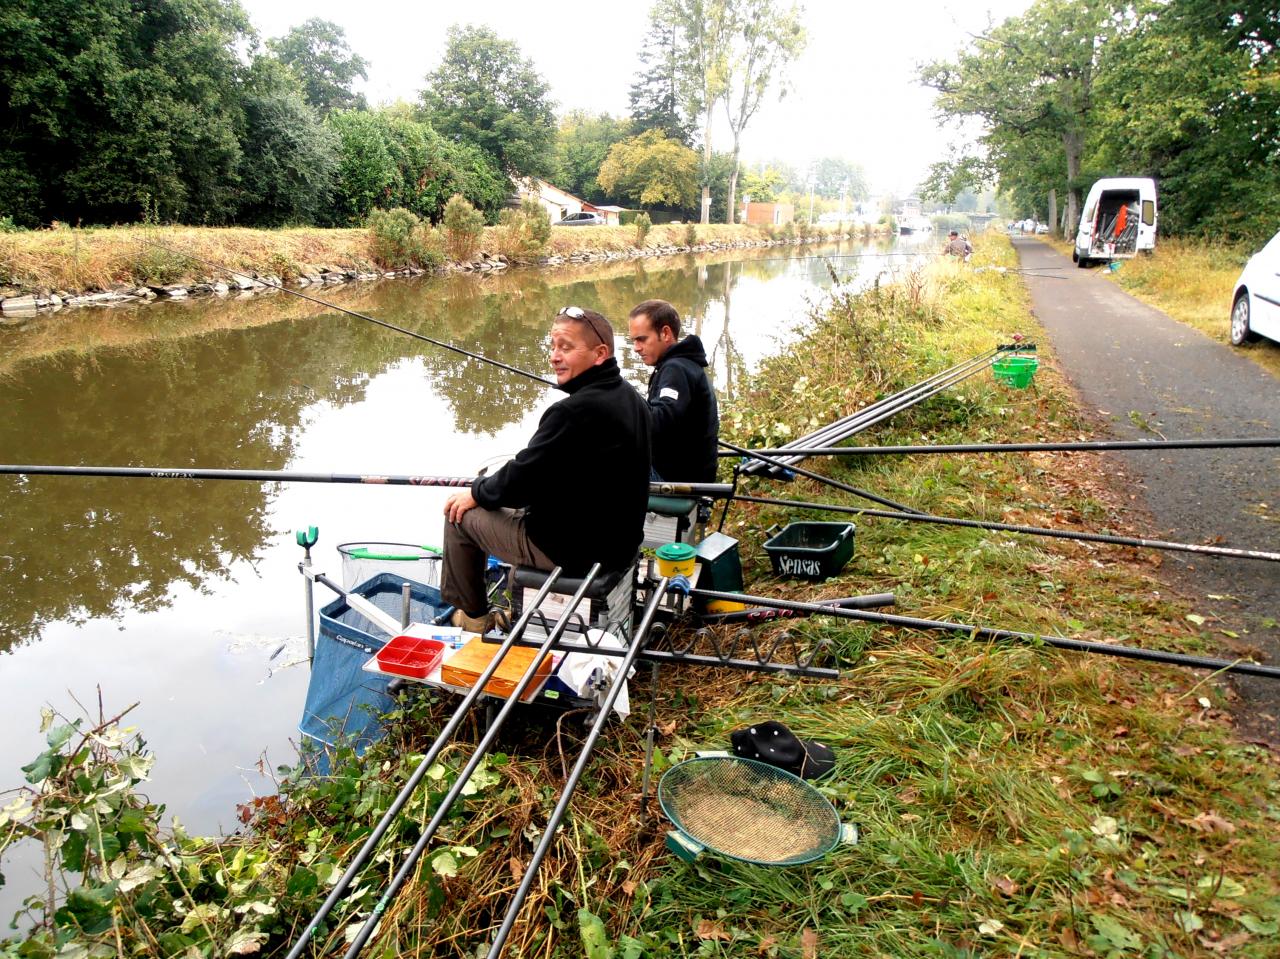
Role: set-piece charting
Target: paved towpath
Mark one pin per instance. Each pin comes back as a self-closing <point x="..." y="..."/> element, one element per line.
<point x="1133" y="366"/>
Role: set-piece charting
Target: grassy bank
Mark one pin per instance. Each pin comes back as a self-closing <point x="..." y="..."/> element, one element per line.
<point x="1014" y="801"/>
<point x="79" y="260"/>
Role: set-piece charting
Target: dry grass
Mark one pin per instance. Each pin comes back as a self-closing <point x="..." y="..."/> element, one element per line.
<point x="80" y="260"/>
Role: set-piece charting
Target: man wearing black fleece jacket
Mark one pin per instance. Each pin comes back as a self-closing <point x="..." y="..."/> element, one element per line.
<point x="686" y="420"/>
<point x="575" y="495"/>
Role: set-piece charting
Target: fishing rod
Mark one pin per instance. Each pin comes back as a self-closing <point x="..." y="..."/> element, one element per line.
<point x="658" y="488"/>
<point x="360" y="316"/>
<point x="579" y="767"/>
<point x="765" y="614"/>
<point x="1223" y="551"/>
<point x="1071" y="447"/>
<point x="826" y="480"/>
<point x="446" y="804"/>
<point x="882" y="409"/>
<point x="988" y="632"/>
<point x="366" y="850"/>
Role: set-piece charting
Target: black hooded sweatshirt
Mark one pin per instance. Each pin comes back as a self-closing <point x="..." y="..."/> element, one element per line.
<point x="686" y="419"/>
<point x="583" y="480"/>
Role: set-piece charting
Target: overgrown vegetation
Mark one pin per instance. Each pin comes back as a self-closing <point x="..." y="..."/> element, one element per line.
<point x="463" y="227"/>
<point x="523" y="233"/>
<point x="1014" y="801"/>
<point x="398" y="239"/>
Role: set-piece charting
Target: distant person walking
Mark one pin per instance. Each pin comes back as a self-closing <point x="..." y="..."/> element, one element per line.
<point x="957" y="246"/>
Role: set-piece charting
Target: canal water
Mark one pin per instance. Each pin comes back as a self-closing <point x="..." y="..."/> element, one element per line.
<point x="184" y="597"/>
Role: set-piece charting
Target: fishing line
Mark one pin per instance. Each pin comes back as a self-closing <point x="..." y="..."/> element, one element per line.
<point x="1223" y="551"/>
<point x="1067" y="447"/>
<point x="827" y="480"/>
<point x="356" y="314"/>
<point x="1076" y="645"/>
<point x="657" y="488"/>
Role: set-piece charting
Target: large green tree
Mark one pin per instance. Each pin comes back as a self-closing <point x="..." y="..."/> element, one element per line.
<point x="318" y="54"/>
<point x="765" y="39"/>
<point x="1206" y="122"/>
<point x="485" y="93"/>
<point x="582" y="145"/>
<point x="113" y="107"/>
<point x="833" y="176"/>
<point x="288" y="167"/>
<point x="652" y="170"/>
<point x="1031" y="79"/>
<point x="387" y="159"/>
<point x="655" y="98"/>
<point x="704" y="30"/>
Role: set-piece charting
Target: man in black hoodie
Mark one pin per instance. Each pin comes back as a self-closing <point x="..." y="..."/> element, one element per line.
<point x="686" y="420"/>
<point x="575" y="495"/>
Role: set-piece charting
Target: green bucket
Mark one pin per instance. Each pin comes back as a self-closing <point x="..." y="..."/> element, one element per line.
<point x="1015" y="371"/>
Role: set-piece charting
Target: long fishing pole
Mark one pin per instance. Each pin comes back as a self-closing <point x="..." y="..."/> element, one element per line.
<point x="765" y="614"/>
<point x="360" y="316"/>
<point x="1066" y="447"/>
<point x="1076" y="645"/>
<point x="446" y="804"/>
<point x="1223" y="551"/>
<point x="826" y="480"/>
<point x="658" y="488"/>
<point x="359" y="860"/>
<point x="579" y="767"/>
<point x="882" y="409"/>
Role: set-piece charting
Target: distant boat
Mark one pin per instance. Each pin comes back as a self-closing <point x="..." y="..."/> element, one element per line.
<point x="909" y="223"/>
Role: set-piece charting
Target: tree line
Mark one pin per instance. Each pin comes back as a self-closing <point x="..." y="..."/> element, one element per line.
<point x="177" y="111"/>
<point x="1185" y="91"/>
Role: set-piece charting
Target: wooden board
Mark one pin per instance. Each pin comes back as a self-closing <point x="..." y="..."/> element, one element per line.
<point x="464" y="667"/>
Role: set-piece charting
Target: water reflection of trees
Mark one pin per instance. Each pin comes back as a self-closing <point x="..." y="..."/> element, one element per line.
<point x="137" y="388"/>
<point x="77" y="549"/>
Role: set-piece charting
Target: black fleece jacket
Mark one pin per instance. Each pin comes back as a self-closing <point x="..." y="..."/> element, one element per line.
<point x="583" y="480"/>
<point x="686" y="419"/>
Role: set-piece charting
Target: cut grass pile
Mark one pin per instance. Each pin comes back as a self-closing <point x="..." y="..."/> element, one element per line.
<point x="1013" y="801"/>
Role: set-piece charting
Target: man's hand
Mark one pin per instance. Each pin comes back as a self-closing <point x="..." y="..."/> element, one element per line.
<point x="457" y="504"/>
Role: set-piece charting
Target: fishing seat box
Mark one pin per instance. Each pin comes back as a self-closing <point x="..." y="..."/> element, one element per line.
<point x="464" y="667"/>
<point x="669" y="519"/>
<point x="607" y="604"/>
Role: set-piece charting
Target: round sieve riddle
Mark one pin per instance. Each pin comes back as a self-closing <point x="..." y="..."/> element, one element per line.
<point x="746" y="810"/>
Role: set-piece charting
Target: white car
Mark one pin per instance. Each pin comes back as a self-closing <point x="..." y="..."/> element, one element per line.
<point x="1255" y="307"/>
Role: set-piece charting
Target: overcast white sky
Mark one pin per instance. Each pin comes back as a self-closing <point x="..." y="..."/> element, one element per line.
<point x="854" y="92"/>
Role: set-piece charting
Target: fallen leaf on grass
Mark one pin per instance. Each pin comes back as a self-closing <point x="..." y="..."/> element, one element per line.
<point x="1209" y="822"/>
<point x="629" y="887"/>
<point x="809" y="944"/>
<point x="1068" y="939"/>
<point x="709" y="930"/>
<point x="989" y="927"/>
<point x="1006" y="885"/>
<point x="766" y="944"/>
<point x="666" y="729"/>
<point x="516" y="867"/>
<point x="1226" y="944"/>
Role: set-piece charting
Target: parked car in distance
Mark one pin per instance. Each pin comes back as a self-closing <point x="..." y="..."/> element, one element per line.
<point x="581" y="219"/>
<point x="1042" y="227"/>
<point x="1255" y="305"/>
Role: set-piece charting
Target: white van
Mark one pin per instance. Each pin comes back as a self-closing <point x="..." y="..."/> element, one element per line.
<point x="1118" y="221"/>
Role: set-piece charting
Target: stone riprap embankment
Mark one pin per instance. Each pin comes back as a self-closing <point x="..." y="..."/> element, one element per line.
<point x="17" y="306"/>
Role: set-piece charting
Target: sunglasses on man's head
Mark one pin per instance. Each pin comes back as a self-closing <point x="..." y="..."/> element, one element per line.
<point x="578" y="313"/>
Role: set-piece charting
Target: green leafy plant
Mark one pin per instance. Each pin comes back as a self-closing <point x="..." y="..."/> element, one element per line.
<point x="463" y="227"/>
<point x="691" y="234"/>
<point x="643" y="225"/>
<point x="523" y="233"/>
<point x="397" y="238"/>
